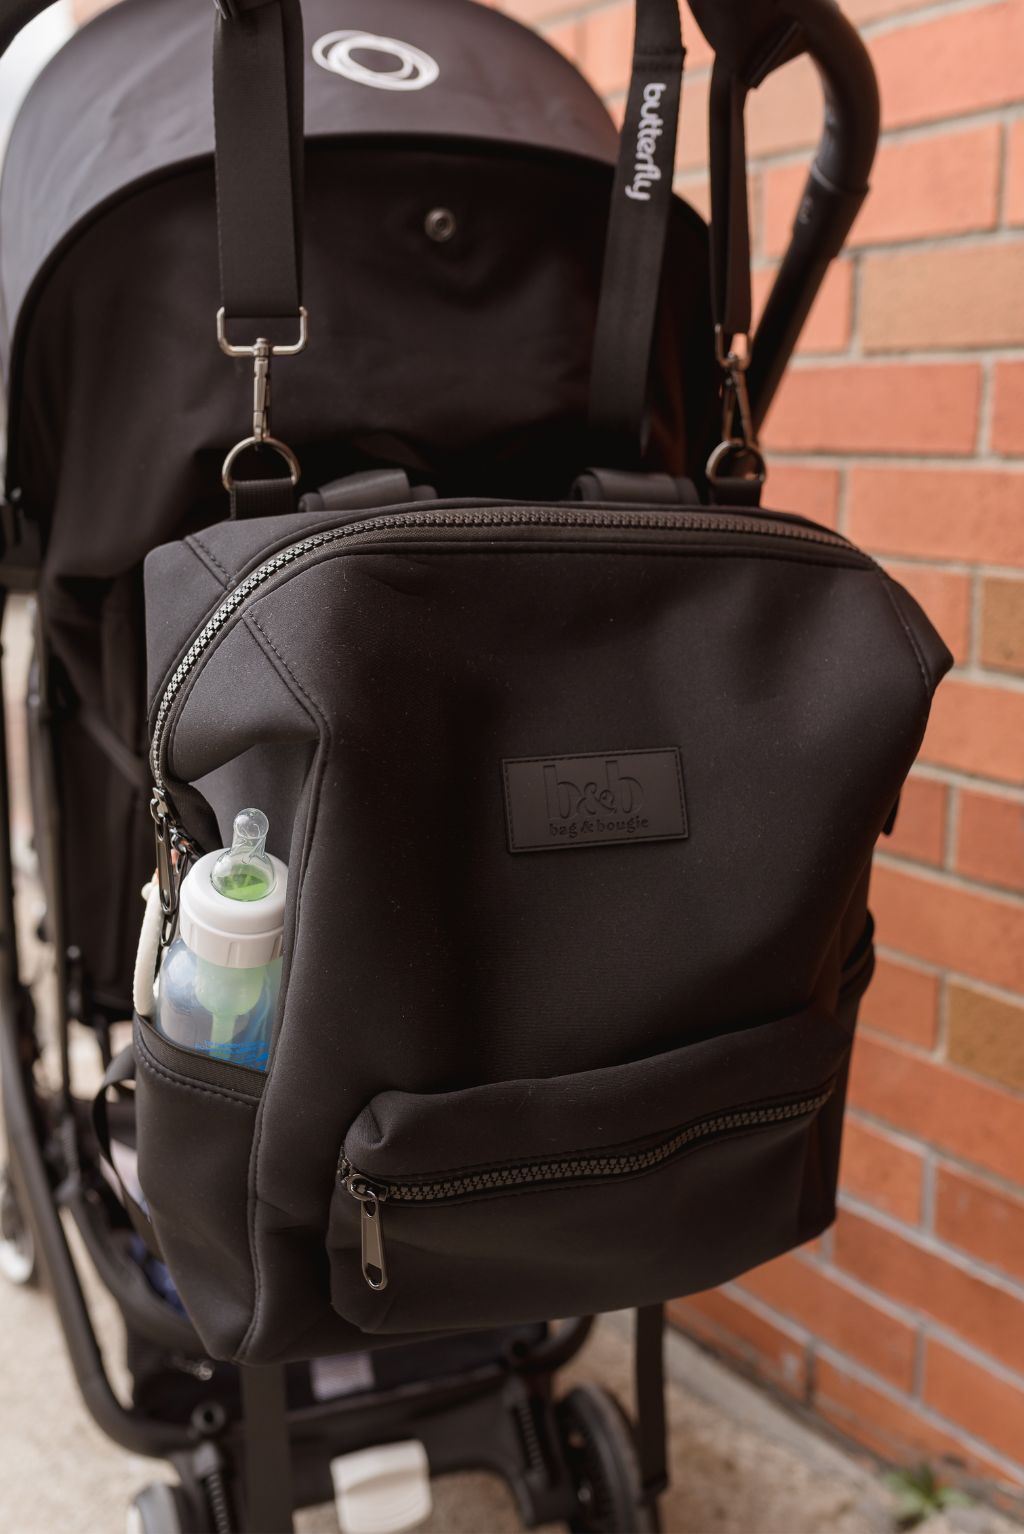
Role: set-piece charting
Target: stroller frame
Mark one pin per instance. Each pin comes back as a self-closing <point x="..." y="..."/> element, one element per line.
<point x="252" y="1462"/>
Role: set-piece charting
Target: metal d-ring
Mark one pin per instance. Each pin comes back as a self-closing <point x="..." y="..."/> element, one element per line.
<point x="281" y="448"/>
<point x="734" y="358"/>
<point x="735" y="446"/>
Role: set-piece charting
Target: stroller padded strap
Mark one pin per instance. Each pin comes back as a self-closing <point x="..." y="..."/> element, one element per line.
<point x="258" y="117"/>
<point x="635" y="240"/>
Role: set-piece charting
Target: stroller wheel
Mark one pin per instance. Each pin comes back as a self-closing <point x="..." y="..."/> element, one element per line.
<point x="159" y="1509"/>
<point x="602" y="1460"/>
<point x="17" y="1244"/>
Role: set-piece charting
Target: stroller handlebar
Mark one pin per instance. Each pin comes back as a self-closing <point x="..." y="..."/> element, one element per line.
<point x="837" y="185"/>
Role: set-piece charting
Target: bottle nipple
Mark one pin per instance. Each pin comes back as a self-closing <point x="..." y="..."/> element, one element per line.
<point x="244" y="871"/>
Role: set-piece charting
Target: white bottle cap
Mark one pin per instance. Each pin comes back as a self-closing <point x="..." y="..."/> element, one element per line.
<point x="239" y="934"/>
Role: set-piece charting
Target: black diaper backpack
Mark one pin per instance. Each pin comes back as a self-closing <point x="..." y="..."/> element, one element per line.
<point x="575" y="752"/>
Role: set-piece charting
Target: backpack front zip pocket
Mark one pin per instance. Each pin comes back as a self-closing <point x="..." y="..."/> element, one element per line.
<point x="371" y="1196"/>
<point x="561" y="1195"/>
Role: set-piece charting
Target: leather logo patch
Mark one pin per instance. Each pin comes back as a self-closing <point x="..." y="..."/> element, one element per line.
<point x="582" y="801"/>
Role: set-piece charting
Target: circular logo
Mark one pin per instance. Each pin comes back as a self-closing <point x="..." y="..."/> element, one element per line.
<point x="403" y="67"/>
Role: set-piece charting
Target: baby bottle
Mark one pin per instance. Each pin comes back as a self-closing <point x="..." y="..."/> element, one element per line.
<point x="220" y="978"/>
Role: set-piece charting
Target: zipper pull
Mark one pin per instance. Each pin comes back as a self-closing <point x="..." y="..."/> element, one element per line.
<point x="174" y="853"/>
<point x="370" y="1198"/>
<point x="164" y="862"/>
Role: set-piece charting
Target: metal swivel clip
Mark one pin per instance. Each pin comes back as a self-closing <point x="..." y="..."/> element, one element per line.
<point x="261" y="351"/>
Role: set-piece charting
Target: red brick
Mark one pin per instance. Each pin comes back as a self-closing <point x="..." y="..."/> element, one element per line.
<point x="606" y="44"/>
<point x="1015" y="173"/>
<point x="837" y="1315"/>
<point x="529" y="10"/>
<point x="944" y="184"/>
<point x="786" y="111"/>
<point x="606" y="47"/>
<point x="982" y="1313"/>
<point x="902" y="1002"/>
<point x="895" y="1430"/>
<point x="978" y="729"/>
<point x="861" y="11"/>
<point x="989" y="1407"/>
<point x="905" y="408"/>
<point x="930" y="918"/>
<point x="990" y="839"/>
<point x="949" y="296"/>
<point x="967" y="514"/>
<point x="731" y="1326"/>
<point x="1002" y="623"/>
<point x="566" y="38"/>
<point x="985" y="1034"/>
<point x="945" y="597"/>
<point x="783" y="113"/>
<point x="881" y="1171"/>
<point x="958" y="63"/>
<point x="979" y="1123"/>
<point x="920" y="829"/>
<point x="980" y="1219"/>
<point x="828" y="325"/>
<point x="1008" y="402"/>
<point x="805" y="489"/>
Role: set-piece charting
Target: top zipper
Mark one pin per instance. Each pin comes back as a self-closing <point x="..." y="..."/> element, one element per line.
<point x="485" y="517"/>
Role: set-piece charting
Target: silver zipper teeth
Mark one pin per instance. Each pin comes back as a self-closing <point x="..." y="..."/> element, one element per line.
<point x="587" y="1166"/>
<point x="694" y="521"/>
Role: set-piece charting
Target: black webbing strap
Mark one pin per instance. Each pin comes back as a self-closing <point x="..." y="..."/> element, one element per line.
<point x="258" y="121"/>
<point x="651" y="1422"/>
<point x="261" y="498"/>
<point x="730" y="226"/>
<point x="268" y="1455"/>
<point x="635" y="241"/>
<point x="118" y="1074"/>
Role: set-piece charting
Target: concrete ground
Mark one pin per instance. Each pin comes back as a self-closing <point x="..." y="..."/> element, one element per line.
<point x="740" y="1463"/>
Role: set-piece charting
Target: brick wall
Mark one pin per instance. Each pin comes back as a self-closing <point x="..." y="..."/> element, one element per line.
<point x="902" y="423"/>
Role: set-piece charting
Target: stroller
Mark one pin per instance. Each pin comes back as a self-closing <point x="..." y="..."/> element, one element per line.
<point x="478" y="161"/>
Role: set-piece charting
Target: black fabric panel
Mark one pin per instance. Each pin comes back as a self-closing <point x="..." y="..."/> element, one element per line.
<point x="194" y="1140"/>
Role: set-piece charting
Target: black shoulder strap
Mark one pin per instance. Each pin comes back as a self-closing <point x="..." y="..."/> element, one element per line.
<point x="635" y="240"/>
<point x="258" y="122"/>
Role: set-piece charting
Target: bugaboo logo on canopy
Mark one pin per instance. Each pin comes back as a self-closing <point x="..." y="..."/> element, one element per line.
<point x="649" y="130"/>
<point x="402" y="68"/>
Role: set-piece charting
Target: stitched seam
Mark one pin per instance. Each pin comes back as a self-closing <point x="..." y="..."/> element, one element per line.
<point x="887" y="585"/>
<point x="306" y="702"/>
<point x="207" y="556"/>
<point x="250" y="617"/>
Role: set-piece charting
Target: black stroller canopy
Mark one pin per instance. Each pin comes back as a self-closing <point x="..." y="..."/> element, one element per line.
<point x="129" y="100"/>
